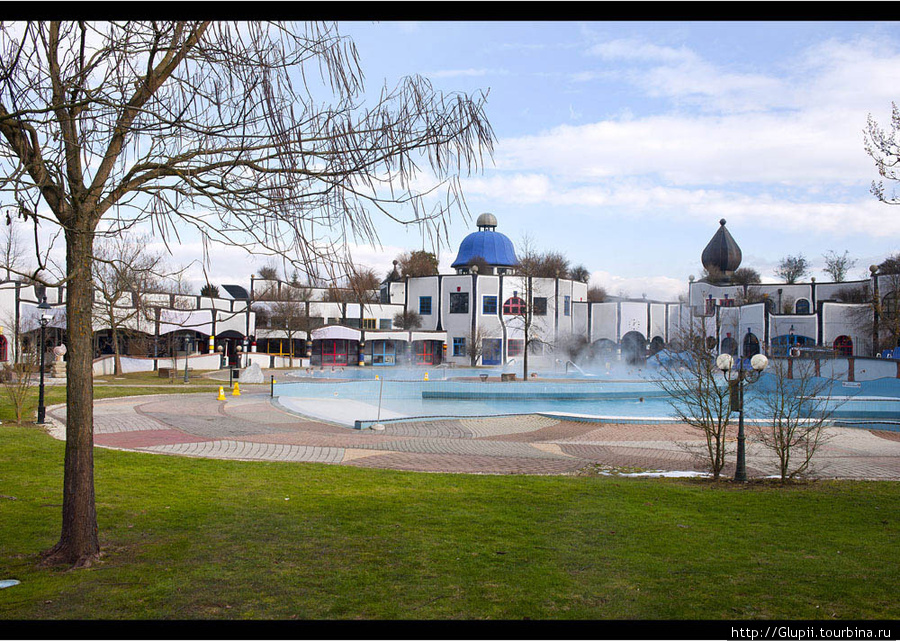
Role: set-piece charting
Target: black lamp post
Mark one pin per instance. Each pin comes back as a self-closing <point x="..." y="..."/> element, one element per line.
<point x="44" y="320"/>
<point x="738" y="375"/>
<point x="188" y="348"/>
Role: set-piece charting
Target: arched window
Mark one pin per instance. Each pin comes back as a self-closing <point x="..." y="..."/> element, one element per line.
<point x="843" y="346"/>
<point x="514" y="306"/>
<point x="801" y="306"/>
<point x="751" y="345"/>
<point x="729" y="346"/>
<point x="4" y="356"/>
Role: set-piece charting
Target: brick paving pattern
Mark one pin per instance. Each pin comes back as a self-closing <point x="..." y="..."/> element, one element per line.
<point x="251" y="427"/>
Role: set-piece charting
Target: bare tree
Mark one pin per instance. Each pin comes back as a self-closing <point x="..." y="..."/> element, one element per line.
<point x="580" y="273"/>
<point x="697" y="390"/>
<point x="221" y="129"/>
<point x="475" y="343"/>
<point x="838" y="266"/>
<point x="597" y="294"/>
<point x="792" y="268"/>
<point x="796" y="407"/>
<point x="18" y="379"/>
<point x="290" y="317"/>
<point x="12" y="250"/>
<point x="124" y="273"/>
<point x="884" y="148"/>
<point x="408" y="319"/>
<point x="746" y="276"/>
<point x="531" y="265"/>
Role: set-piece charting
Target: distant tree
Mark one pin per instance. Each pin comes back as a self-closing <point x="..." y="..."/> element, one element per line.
<point x="838" y="266"/>
<point x="12" y="250"/>
<point x="289" y="316"/>
<point x="792" y="268"/>
<point x="712" y="274"/>
<point x="408" y="319"/>
<point x="414" y="264"/>
<point x="210" y="291"/>
<point x="268" y="272"/>
<point x="890" y="265"/>
<point x="475" y="343"/>
<point x="580" y="273"/>
<point x="596" y="294"/>
<point x="854" y="294"/>
<point x="531" y="265"/>
<point x="124" y="273"/>
<point x="480" y="262"/>
<point x="551" y="264"/>
<point x="884" y="148"/>
<point x="746" y="276"/>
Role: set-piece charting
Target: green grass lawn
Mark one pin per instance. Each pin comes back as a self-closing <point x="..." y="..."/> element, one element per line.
<point x="192" y="538"/>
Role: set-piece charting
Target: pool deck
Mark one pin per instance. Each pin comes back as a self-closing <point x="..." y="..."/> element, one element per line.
<point x="252" y="427"/>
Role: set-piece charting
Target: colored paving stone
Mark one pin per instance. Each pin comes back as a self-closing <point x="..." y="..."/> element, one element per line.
<point x="251" y="427"/>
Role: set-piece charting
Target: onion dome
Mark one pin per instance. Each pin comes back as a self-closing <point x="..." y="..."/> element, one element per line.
<point x="722" y="254"/>
<point x="494" y="248"/>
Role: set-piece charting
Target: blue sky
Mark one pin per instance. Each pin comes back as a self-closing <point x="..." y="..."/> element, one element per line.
<point x="622" y="144"/>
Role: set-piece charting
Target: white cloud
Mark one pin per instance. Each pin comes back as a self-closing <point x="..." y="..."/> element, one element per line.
<point x="654" y="287"/>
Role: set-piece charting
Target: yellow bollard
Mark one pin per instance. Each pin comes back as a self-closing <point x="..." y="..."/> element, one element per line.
<point x="236" y="391"/>
<point x="221" y="396"/>
<point x="426" y="376"/>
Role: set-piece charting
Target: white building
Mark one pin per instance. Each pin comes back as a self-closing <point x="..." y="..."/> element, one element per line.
<point x="481" y="310"/>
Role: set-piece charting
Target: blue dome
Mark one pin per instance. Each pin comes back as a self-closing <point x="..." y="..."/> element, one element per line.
<point x="495" y="248"/>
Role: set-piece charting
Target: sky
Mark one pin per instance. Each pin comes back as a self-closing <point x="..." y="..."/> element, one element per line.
<point x="622" y="144"/>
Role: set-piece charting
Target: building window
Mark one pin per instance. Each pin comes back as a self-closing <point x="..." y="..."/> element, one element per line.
<point x="514" y="306"/>
<point x="489" y="305"/>
<point x="801" y="306"/>
<point x="539" y="306"/>
<point x="459" y="346"/>
<point x="515" y="346"/>
<point x="368" y="323"/>
<point x="425" y="305"/>
<point x="567" y="305"/>
<point x="459" y="303"/>
<point x="385" y="323"/>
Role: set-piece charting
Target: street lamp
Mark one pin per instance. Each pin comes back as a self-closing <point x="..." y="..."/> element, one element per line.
<point x="737" y="375"/>
<point x="44" y="320"/>
<point x="188" y="349"/>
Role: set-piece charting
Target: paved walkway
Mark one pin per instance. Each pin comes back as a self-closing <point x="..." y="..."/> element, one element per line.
<point x="250" y="427"/>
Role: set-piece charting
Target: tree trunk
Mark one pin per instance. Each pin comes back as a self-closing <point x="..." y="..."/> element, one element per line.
<point x="117" y="355"/>
<point x="79" y="542"/>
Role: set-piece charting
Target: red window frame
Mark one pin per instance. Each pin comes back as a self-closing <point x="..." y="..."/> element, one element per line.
<point x="514" y="306"/>
<point x="331" y="355"/>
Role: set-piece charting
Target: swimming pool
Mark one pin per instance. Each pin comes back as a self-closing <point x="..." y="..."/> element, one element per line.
<point x="358" y="397"/>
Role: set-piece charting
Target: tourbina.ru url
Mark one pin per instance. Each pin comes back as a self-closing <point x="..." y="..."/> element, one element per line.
<point x="810" y="632"/>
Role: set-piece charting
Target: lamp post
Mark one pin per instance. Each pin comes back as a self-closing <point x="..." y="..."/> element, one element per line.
<point x="45" y="320"/>
<point x="188" y="348"/>
<point x="738" y="375"/>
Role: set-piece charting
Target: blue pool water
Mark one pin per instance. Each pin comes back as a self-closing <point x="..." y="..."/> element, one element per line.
<point x="458" y="392"/>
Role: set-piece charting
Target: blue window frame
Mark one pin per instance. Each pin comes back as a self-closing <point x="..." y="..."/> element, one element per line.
<point x="567" y="305"/>
<point x="425" y="305"/>
<point x="459" y="346"/>
<point x="489" y="305"/>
